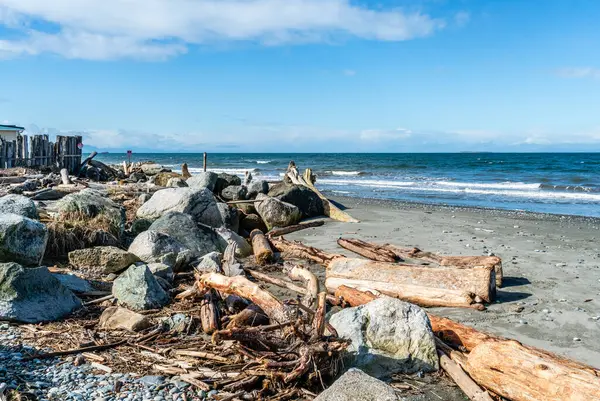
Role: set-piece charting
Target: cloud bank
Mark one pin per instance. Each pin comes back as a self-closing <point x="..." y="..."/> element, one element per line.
<point x="159" y="29"/>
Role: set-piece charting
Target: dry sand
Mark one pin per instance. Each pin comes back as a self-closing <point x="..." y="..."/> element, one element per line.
<point x="551" y="265"/>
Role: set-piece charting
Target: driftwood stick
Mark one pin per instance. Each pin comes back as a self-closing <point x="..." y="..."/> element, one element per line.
<point x="86" y="161"/>
<point x="299" y="250"/>
<point x="354" y="297"/>
<point x="75" y="351"/>
<point x="319" y="318"/>
<point x="64" y="176"/>
<point x="209" y="313"/>
<point x="285" y="284"/>
<point x="466" y="384"/>
<point x="185" y="172"/>
<point x="296" y="272"/>
<point x="368" y="250"/>
<point x="276" y="232"/>
<point x="99" y="300"/>
<point x="263" y="253"/>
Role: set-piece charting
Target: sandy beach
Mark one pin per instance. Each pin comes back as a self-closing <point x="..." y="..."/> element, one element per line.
<point x="551" y="295"/>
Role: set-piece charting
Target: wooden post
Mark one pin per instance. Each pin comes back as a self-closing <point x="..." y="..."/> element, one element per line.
<point x="204" y="162"/>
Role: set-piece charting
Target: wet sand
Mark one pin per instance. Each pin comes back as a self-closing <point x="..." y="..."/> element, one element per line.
<point x="551" y="295"/>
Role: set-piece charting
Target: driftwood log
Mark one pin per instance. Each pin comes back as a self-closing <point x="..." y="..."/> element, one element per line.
<point x="466" y="384"/>
<point x="64" y="177"/>
<point x="209" y="312"/>
<point x="185" y="172"/>
<point x="299" y="250"/>
<point x="276" y="232"/>
<point x="263" y="254"/>
<point x="353" y="297"/>
<point x="444" y="286"/>
<point x="368" y="250"/>
<point x="311" y="282"/>
<point x="292" y="175"/>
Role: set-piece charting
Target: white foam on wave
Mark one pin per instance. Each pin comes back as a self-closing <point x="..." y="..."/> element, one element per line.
<point x="367" y="183"/>
<point x="345" y="172"/>
<point x="495" y="185"/>
<point x="263" y="161"/>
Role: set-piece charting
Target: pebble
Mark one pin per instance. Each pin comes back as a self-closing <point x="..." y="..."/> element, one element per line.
<point x="576" y="339"/>
<point x="521" y="321"/>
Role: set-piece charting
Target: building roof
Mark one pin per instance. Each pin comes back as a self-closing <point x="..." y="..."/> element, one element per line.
<point x="4" y="127"/>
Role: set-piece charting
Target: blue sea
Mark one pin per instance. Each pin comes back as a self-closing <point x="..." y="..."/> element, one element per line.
<point x="561" y="183"/>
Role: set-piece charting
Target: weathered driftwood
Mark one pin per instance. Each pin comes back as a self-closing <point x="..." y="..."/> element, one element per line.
<point x="368" y="250"/>
<point x="466" y="384"/>
<point x="443" y="286"/>
<point x="83" y="163"/>
<point x="299" y="250"/>
<point x="353" y="297"/>
<point x="296" y="272"/>
<point x="209" y="312"/>
<point x="230" y="266"/>
<point x="276" y="232"/>
<point x="456" y="334"/>
<point x="263" y="254"/>
<point x="240" y="285"/>
<point x="251" y="316"/>
<point x="185" y="172"/>
<point x="307" y="180"/>
<point x="454" y="261"/>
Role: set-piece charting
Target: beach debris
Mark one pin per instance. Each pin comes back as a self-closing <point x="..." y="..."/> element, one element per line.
<point x="263" y="253"/>
<point x="33" y="295"/>
<point x="153" y="169"/>
<point x="18" y="204"/>
<point x="109" y="258"/>
<point x="22" y="240"/>
<point x="387" y="336"/>
<point x="278" y="231"/>
<point x="369" y="250"/>
<point x="138" y="289"/>
<point x="276" y="213"/>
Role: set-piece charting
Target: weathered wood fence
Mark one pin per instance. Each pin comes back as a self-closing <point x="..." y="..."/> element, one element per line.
<point x="41" y="152"/>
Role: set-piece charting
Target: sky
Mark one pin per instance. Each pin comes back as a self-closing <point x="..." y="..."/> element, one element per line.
<point x="304" y="75"/>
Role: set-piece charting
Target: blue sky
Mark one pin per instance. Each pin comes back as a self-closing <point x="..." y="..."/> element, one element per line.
<point x="305" y="75"/>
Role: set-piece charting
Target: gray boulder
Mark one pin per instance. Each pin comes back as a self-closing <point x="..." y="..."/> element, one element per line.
<point x="153" y="169"/>
<point x="33" y="295"/>
<point x="156" y="247"/>
<point x="226" y="236"/>
<point x="303" y="198"/>
<point x="18" y="204"/>
<point x="74" y="283"/>
<point x="257" y="187"/>
<point x="89" y="204"/>
<point x="140" y="225"/>
<point x="210" y="263"/>
<point x="176" y="182"/>
<point x="143" y="198"/>
<point x="204" y="179"/>
<point x="107" y="259"/>
<point x="138" y="289"/>
<point x="276" y="213"/>
<point x="235" y="192"/>
<point x="252" y="222"/>
<point x="388" y="336"/>
<point x="162" y="270"/>
<point x="225" y="180"/>
<point x="199" y="239"/>
<point x="198" y="203"/>
<point x="117" y="318"/>
<point x="230" y="216"/>
<point x="356" y="385"/>
<point x="22" y="239"/>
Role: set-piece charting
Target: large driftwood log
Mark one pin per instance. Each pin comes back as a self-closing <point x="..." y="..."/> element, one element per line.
<point x="263" y="254"/>
<point x="368" y="250"/>
<point x="307" y="180"/>
<point x="456" y="334"/>
<point x="466" y="384"/>
<point x="454" y="261"/>
<point x="444" y="286"/>
<point x="240" y="285"/>
<point x="276" y="232"/>
<point x="353" y="297"/>
<point x="299" y="250"/>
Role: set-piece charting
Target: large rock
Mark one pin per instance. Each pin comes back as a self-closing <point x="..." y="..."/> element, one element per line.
<point x="257" y="187"/>
<point x="204" y="179"/>
<point x="230" y="216"/>
<point x="176" y="182"/>
<point x="253" y="222"/>
<point x="22" y="240"/>
<point x="197" y="238"/>
<point x="90" y="204"/>
<point x="235" y="192"/>
<point x="356" y="385"/>
<point x="156" y="247"/>
<point x="225" y="180"/>
<point x="138" y="289"/>
<point x="306" y="200"/>
<point x="74" y="283"/>
<point x="18" y="204"/>
<point x="108" y="259"/>
<point x="117" y="318"/>
<point x="210" y="263"/>
<point x="226" y="236"/>
<point x="199" y="203"/>
<point x="388" y="336"/>
<point x="276" y="213"/>
<point x="33" y="295"/>
<point x="162" y="179"/>
<point x="153" y="168"/>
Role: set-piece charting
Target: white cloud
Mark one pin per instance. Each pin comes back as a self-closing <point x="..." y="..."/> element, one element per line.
<point x="579" y="72"/>
<point x="380" y="135"/>
<point x="156" y="29"/>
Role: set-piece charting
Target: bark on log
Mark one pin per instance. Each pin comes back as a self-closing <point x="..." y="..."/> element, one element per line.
<point x="368" y="250"/>
<point x="299" y="250"/>
<point x="276" y="232"/>
<point x="64" y="176"/>
<point x="230" y="265"/>
<point x="466" y="384"/>
<point x="240" y="285"/>
<point x="263" y="254"/>
<point x="443" y="286"/>
<point x="456" y="334"/>
<point x="522" y="373"/>
<point x="354" y="297"/>
<point x="453" y="261"/>
<point x="251" y="316"/>
<point x="311" y="283"/>
<point x="209" y="313"/>
<point x="307" y="180"/>
<point x="319" y="318"/>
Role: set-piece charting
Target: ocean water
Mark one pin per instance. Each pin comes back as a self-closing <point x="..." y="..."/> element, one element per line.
<point x="562" y="183"/>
